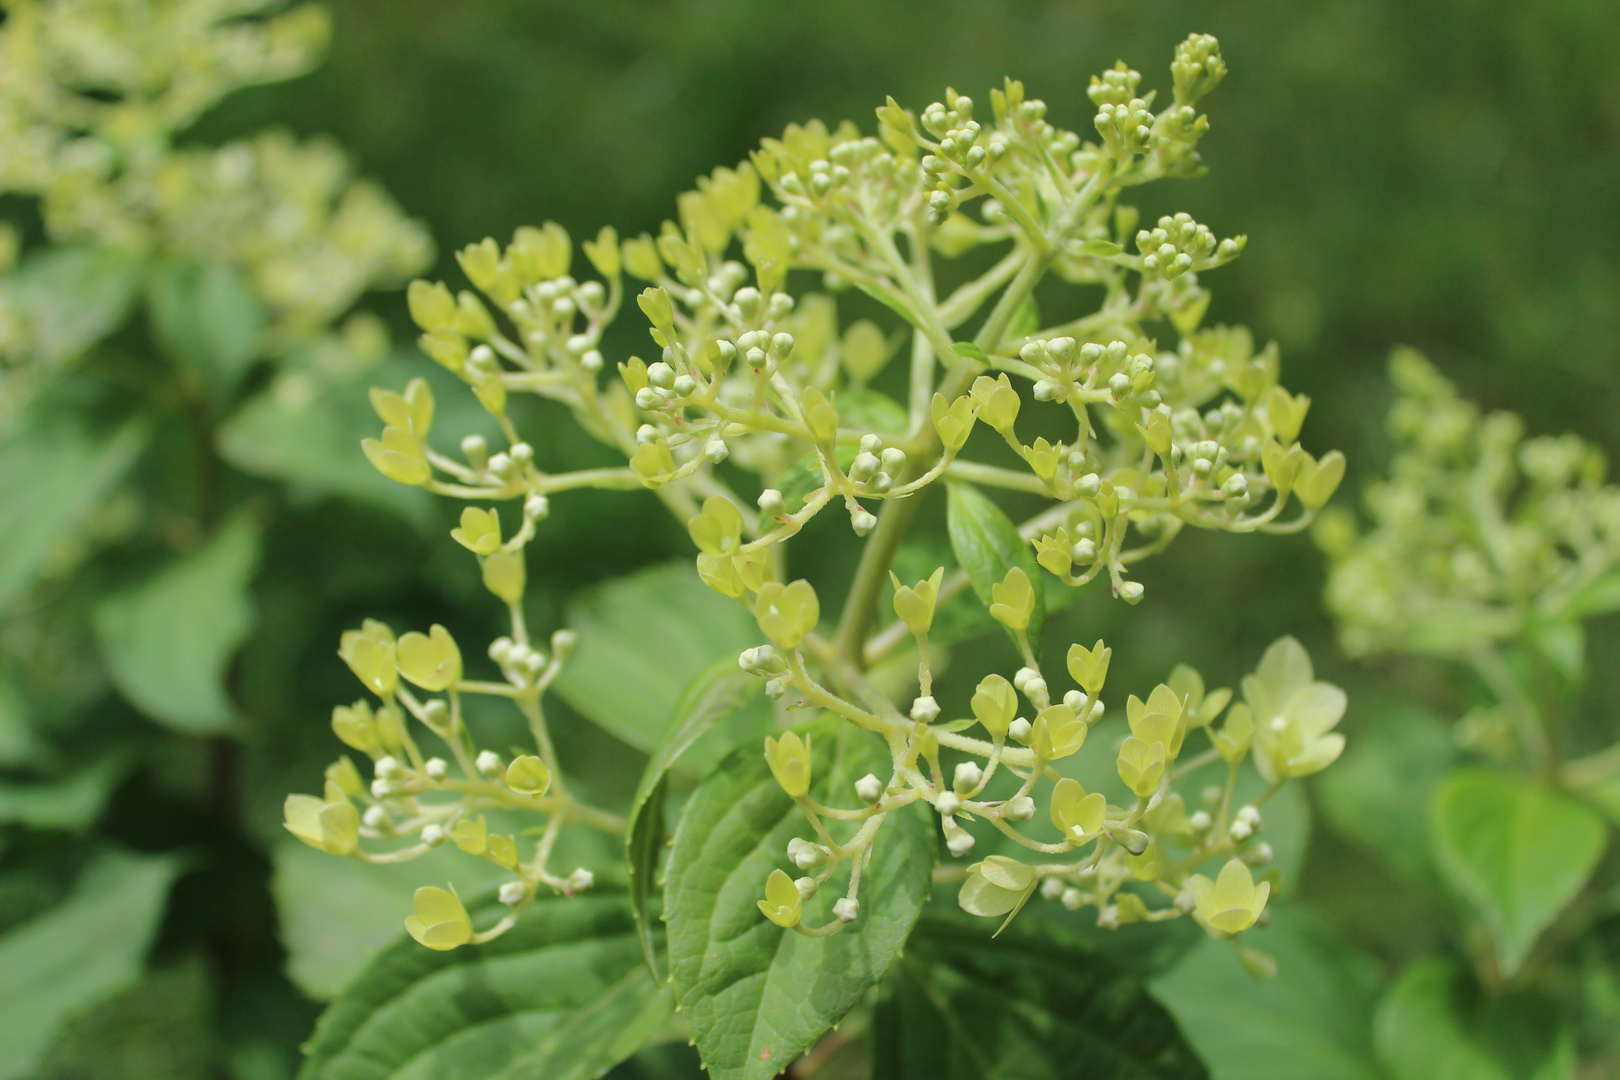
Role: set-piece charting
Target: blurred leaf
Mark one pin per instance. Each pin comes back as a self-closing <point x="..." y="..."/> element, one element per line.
<point x="79" y="953"/>
<point x="71" y="803"/>
<point x="18" y="744"/>
<point x="1033" y="1004"/>
<point x="1025" y="321"/>
<point x="1517" y="850"/>
<point x="307" y="432"/>
<point x="53" y="473"/>
<point x="168" y="641"/>
<point x="642" y="640"/>
<point x="336" y="914"/>
<point x="1311" y="1020"/>
<point x="69" y="298"/>
<point x="756" y="995"/>
<point x="208" y="319"/>
<point x="719" y="691"/>
<point x="563" y="995"/>
<point x="987" y="546"/>
<point x="869" y="410"/>
<point x="161" y="1028"/>
<point x="1378" y="793"/>
<point x="1429" y="1027"/>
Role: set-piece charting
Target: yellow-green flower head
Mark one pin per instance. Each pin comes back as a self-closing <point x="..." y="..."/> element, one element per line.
<point x="782" y="904"/>
<point x="1089" y="667"/>
<point x="1234" y="737"/>
<point x="1013" y="600"/>
<point x="1161" y="719"/>
<point x="355" y="726"/>
<point x="1318" y="480"/>
<point x="953" y="420"/>
<point x="1141" y="765"/>
<point x="994" y="703"/>
<point x="996" y="886"/>
<point x="411" y="411"/>
<point x="399" y="456"/>
<point x="786" y="613"/>
<point x="1057" y="732"/>
<point x="480" y="531"/>
<point x="429" y="660"/>
<point x="789" y="759"/>
<point x="1232" y="902"/>
<point x="998" y="402"/>
<point x="1076" y="814"/>
<point x="331" y="824"/>
<point x="718" y="529"/>
<point x="1202" y="706"/>
<point x="1293" y="714"/>
<point x="369" y="652"/>
<point x="528" y="775"/>
<point x="505" y="575"/>
<point x="914" y="604"/>
<point x="440" y="921"/>
<point x="471" y="836"/>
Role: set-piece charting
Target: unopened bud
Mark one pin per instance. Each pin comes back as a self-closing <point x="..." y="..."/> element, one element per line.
<point x="432" y="835"/>
<point x="1019" y="730"/>
<point x="847" y="910"/>
<point x="475" y="451"/>
<point x="804" y="854"/>
<point x="959" y="842"/>
<point x="1020" y="809"/>
<point x="925" y="709"/>
<point x="488" y="763"/>
<point x="512" y="893"/>
<point x="1073" y="899"/>
<point x="772" y="503"/>
<point x="947" y="803"/>
<point x="580" y="880"/>
<point x="537" y="507"/>
<point x="807" y="887"/>
<point x="562" y="643"/>
<point x="967" y="777"/>
<point x="1051" y="888"/>
<point x="377" y="818"/>
<point x="436" y="768"/>
<point x="387" y="767"/>
<point x="869" y="789"/>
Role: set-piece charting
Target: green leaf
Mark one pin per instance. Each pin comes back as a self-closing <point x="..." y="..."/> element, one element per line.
<point x="1311" y="1020"/>
<point x="336" y="914"/>
<point x="987" y="545"/>
<point x="160" y="1027"/>
<point x="18" y="743"/>
<point x="890" y="301"/>
<point x="208" y="319"/>
<point x="642" y="640"/>
<point x="563" y="995"/>
<point x="1378" y="793"/>
<point x="71" y="803"/>
<point x="757" y="996"/>
<point x="971" y="351"/>
<point x="53" y="473"/>
<point x="168" y="641"/>
<point x="1434" y="1025"/>
<point x="719" y="691"/>
<point x="1563" y="643"/>
<point x="869" y="410"/>
<point x="1100" y="249"/>
<point x="79" y="953"/>
<point x="306" y="432"/>
<point x="1517" y="850"/>
<point x="1025" y="321"/>
<point x="1033" y="1004"/>
<point x="69" y="298"/>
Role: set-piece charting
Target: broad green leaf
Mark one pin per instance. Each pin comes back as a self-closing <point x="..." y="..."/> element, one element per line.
<point x="1311" y="1020"/>
<point x="563" y="995"/>
<point x="69" y="298"/>
<point x="336" y="914"/>
<point x="756" y="995"/>
<point x="1032" y="1004"/>
<point x="162" y="1027"/>
<point x="53" y="473"/>
<point x="642" y="640"/>
<point x="1517" y="850"/>
<point x="208" y="319"/>
<point x="79" y="953"/>
<point x="1378" y="793"/>
<point x="167" y="641"/>
<point x="1433" y="1025"/>
<point x="987" y="545"/>
<point x="720" y="690"/>
<point x="71" y="803"/>
<point x="307" y="432"/>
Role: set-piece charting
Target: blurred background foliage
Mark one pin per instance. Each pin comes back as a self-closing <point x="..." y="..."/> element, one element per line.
<point x="1439" y="173"/>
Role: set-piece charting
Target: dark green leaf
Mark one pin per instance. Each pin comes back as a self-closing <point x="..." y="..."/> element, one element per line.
<point x="69" y="298"/>
<point x="987" y="545"/>
<point x="209" y="320"/>
<point x="78" y="953"/>
<point x="1032" y="1004"/>
<point x="53" y="473"/>
<point x="1434" y="1024"/>
<point x="168" y="641"/>
<point x="1311" y="1020"/>
<point x="642" y="640"/>
<point x="757" y="996"/>
<point x="563" y="995"/>
<point x="71" y="803"/>
<point x="719" y="691"/>
<point x="1519" y="851"/>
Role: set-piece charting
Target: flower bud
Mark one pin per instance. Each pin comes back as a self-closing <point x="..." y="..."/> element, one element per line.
<point x="772" y="504"/>
<point x="436" y="768"/>
<point x="862" y="522"/>
<point x="959" y="842"/>
<point x="869" y="789"/>
<point x="580" y="880"/>
<point x="966" y="778"/>
<point x="925" y="709"/>
<point x="377" y="818"/>
<point x="433" y="835"/>
<point x="804" y="854"/>
<point x="947" y="803"/>
<point x="488" y="762"/>
<point x="537" y="508"/>
<point x="512" y="893"/>
<point x="1020" y="809"/>
<point x="1073" y="899"/>
<point x="562" y="644"/>
<point x="847" y="910"/>
<point x="1019" y="729"/>
<point x="807" y="887"/>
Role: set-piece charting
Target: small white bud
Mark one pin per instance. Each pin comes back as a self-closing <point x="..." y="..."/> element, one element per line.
<point x="1200" y="822"/>
<point x="645" y="434"/>
<point x="500" y="464"/>
<point x="537" y="507"/>
<point x="869" y="789"/>
<point x="382" y="789"/>
<point x="947" y="803"/>
<point x="377" y="818"/>
<point x="894" y="460"/>
<point x="685" y="386"/>
<point x="512" y="893"/>
<point x="1076" y="700"/>
<point x="1240" y="831"/>
<point x="1131" y="591"/>
<point x="871" y="444"/>
<point x="863" y="522"/>
<point x="1023" y="676"/>
<point x="475" y="451"/>
<point x="715" y="451"/>
<point x="591" y="361"/>
<point x="1020" y="809"/>
<point x="647" y="398"/>
<point x="1019" y="729"/>
<point x="967" y="777"/>
<point x="1051" y="888"/>
<point x="435" y="714"/>
<point x="1251" y="815"/>
<point x="1261" y="853"/>
<point x="1073" y="899"/>
<point x="804" y="854"/>
<point x="522" y="453"/>
<point x="661" y="375"/>
<point x="488" y="763"/>
<point x="433" y="835"/>
<point x="925" y="709"/>
<point x="772" y="503"/>
<point x="847" y="910"/>
<point x="1035" y="690"/>
<point x="580" y="880"/>
<point x="563" y="642"/>
<point x="807" y="887"/>
<point x="387" y="767"/>
<point x="436" y="768"/>
<point x="959" y="843"/>
<point x="1084" y="551"/>
<point x="1097" y="710"/>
